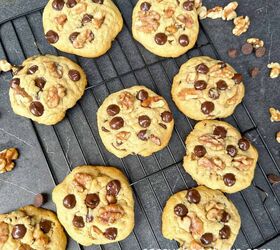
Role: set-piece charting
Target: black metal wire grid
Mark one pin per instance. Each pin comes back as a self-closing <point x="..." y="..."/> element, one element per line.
<point x="75" y="140"/>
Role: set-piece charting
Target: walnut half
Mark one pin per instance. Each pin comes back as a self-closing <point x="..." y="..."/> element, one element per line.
<point x="6" y="159"/>
<point x="241" y="25"/>
<point x="275" y="70"/>
<point x="274" y="115"/>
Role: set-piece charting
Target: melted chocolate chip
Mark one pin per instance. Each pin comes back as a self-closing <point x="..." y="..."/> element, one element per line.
<point x="207" y="107"/>
<point x="199" y="151"/>
<point x="207" y="238"/>
<point x="58" y="4"/>
<point x="184" y="40"/>
<point x="220" y="131"/>
<point x="98" y="1"/>
<point x="116" y="123"/>
<point x="180" y="210"/>
<point x="244" y="144"/>
<point x="225" y="232"/>
<point x="273" y="179"/>
<point x="145" y="6"/>
<point x="238" y="78"/>
<point x="221" y="85"/>
<point x="52" y="36"/>
<point x="229" y="179"/>
<point x="92" y="200"/>
<point x="111" y="233"/>
<point x="36" y="108"/>
<point x="113" y="110"/>
<point x="202" y="68"/>
<point x="142" y="135"/>
<point x="193" y="196"/>
<point x="142" y="95"/>
<point x="18" y="231"/>
<point x="14" y="83"/>
<point x="71" y="3"/>
<point x="40" y="82"/>
<point x="74" y="75"/>
<point x="78" y="221"/>
<point x="144" y="121"/>
<point x="166" y="116"/>
<point x="113" y="187"/>
<point x="213" y="93"/>
<point x="162" y="125"/>
<point x="188" y="5"/>
<point x="32" y="70"/>
<point x="73" y="36"/>
<point x="69" y="201"/>
<point x="45" y="226"/>
<point x="160" y="38"/>
<point x="87" y="18"/>
<point x="200" y="85"/>
<point x="225" y="217"/>
<point x="231" y="150"/>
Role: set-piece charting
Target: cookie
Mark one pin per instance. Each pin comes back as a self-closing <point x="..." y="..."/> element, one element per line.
<point x="31" y="228"/>
<point x="44" y="87"/>
<point x="219" y="157"/>
<point x="82" y="27"/>
<point x="134" y="121"/>
<point x="206" y="88"/>
<point x="166" y="28"/>
<point x="95" y="205"/>
<point x="201" y="218"/>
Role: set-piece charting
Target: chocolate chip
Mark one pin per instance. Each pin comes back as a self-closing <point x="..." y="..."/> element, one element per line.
<point x="160" y="38"/>
<point x="98" y="1"/>
<point x="166" y="116"/>
<point x="32" y="70"/>
<point x="184" y="40"/>
<point x="200" y="85"/>
<point x="213" y="93"/>
<point x="207" y="238"/>
<point x="238" y="78"/>
<point x="254" y="72"/>
<point x="222" y="65"/>
<point x="69" y="201"/>
<point x="113" y="187"/>
<point x="18" y="231"/>
<point x="73" y="36"/>
<point x="39" y="200"/>
<point x="144" y="121"/>
<point x="92" y="200"/>
<point x="74" y="75"/>
<point x="87" y="18"/>
<point x="221" y="85"/>
<point x="116" y="123"/>
<point x="232" y="53"/>
<point x="225" y="232"/>
<point x="142" y="135"/>
<point x="207" y="107"/>
<point x="45" y="226"/>
<point x="193" y="196"/>
<point x="78" y="221"/>
<point x="225" y="217"/>
<point x="247" y="48"/>
<point x="199" y="151"/>
<point x="14" y="83"/>
<point x="180" y="210"/>
<point x="145" y="6"/>
<point x="71" y="3"/>
<point x="229" y="179"/>
<point x="36" y="108"/>
<point x="162" y="125"/>
<point x="202" y="68"/>
<point x="58" y="4"/>
<point x="231" y="150"/>
<point x="142" y="95"/>
<point x="52" y="36"/>
<point x="188" y="5"/>
<point x="220" y="131"/>
<point x="273" y="179"/>
<point x="113" y="109"/>
<point x="111" y="233"/>
<point x="244" y="144"/>
<point x="260" y="52"/>
<point x="40" y="82"/>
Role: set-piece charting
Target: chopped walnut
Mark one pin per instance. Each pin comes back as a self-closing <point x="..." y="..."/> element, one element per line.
<point x="4" y="233"/>
<point x="169" y="12"/>
<point x="55" y="69"/>
<point x="82" y="181"/>
<point x="186" y="20"/>
<point x="215" y="12"/>
<point x="274" y="115"/>
<point x="55" y="93"/>
<point x="153" y="102"/>
<point x="126" y="100"/>
<point x="80" y="8"/>
<point x="196" y="224"/>
<point x="218" y="71"/>
<point x="242" y="162"/>
<point x="278" y="137"/>
<point x="61" y="19"/>
<point x="184" y="223"/>
<point x="241" y="25"/>
<point x="214" y="163"/>
<point x="110" y="213"/>
<point x="188" y="93"/>
<point x="171" y="29"/>
<point x="148" y="21"/>
<point x="212" y="141"/>
<point x="122" y="137"/>
<point x="275" y="70"/>
<point x="202" y="12"/>
<point x="84" y="37"/>
<point x="6" y="159"/>
<point x="5" y="66"/>
<point x="98" y="20"/>
<point x="229" y="12"/>
<point x="234" y="98"/>
<point x="214" y="210"/>
<point x="256" y="42"/>
<point x="95" y="232"/>
<point x="155" y="140"/>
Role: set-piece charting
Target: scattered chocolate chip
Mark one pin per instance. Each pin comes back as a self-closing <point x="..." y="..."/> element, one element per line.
<point x="232" y="53"/>
<point x="113" y="109"/>
<point x="220" y="131"/>
<point x="18" y="231"/>
<point x="193" y="196"/>
<point x="188" y="5"/>
<point x="142" y="135"/>
<point x="273" y="179"/>
<point x="180" y="210"/>
<point x="207" y="238"/>
<point x="111" y="233"/>
<point x="142" y="95"/>
<point x="207" y="107"/>
<point x="254" y="72"/>
<point x="214" y="93"/>
<point x="78" y="221"/>
<point x="166" y="116"/>
<point x="244" y="144"/>
<point x="229" y="179"/>
<point x="238" y="78"/>
<point x="52" y="36"/>
<point x="74" y="75"/>
<point x="87" y="18"/>
<point x="14" y="83"/>
<point x="45" y="226"/>
<point x="98" y="1"/>
<point x="144" y="121"/>
<point x="71" y="3"/>
<point x="73" y="36"/>
<point x="221" y="85"/>
<point x="199" y="151"/>
<point x="231" y="150"/>
<point x="58" y="4"/>
<point x="116" y="123"/>
<point x="200" y="85"/>
<point x="36" y="108"/>
<point x="160" y="38"/>
<point x="202" y="68"/>
<point x="145" y="6"/>
<point x="69" y="201"/>
<point x="40" y="82"/>
<point x="113" y="187"/>
<point x="32" y="70"/>
<point x="247" y="48"/>
<point x="225" y="232"/>
<point x="92" y="200"/>
<point x="260" y="52"/>
<point x="39" y="200"/>
<point x="225" y="217"/>
<point x="162" y="125"/>
<point x="184" y="40"/>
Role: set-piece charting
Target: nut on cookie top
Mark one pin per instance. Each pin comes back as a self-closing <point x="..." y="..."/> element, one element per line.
<point x="206" y="88"/>
<point x="82" y="27"/>
<point x="95" y="205"/>
<point x="44" y="87"/>
<point x="219" y="157"/>
<point x="135" y="121"/>
<point x="167" y="28"/>
<point x="31" y="228"/>
<point x="200" y="218"/>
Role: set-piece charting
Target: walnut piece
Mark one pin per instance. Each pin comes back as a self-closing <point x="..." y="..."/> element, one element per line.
<point x="110" y="213"/>
<point x="155" y="140"/>
<point x="278" y="137"/>
<point x="122" y="137"/>
<point x="5" y="66"/>
<point x="202" y="12"/>
<point x="189" y="93"/>
<point x="169" y="12"/>
<point x="55" y="69"/>
<point x="171" y="29"/>
<point x="126" y="100"/>
<point x="196" y="227"/>
<point x="186" y="20"/>
<point x="212" y="141"/>
<point x="241" y="25"/>
<point x="55" y="93"/>
<point x="98" y="20"/>
<point x="80" y="8"/>
<point x="84" y="37"/>
<point x="274" y="115"/>
<point x="214" y="210"/>
<point x="184" y="223"/>
<point x="229" y="12"/>
<point x="95" y="232"/>
<point x="214" y="163"/>
<point x="242" y="162"/>
<point x="153" y="102"/>
<point x="82" y="181"/>
<point x="215" y="12"/>
<point x="4" y="233"/>
<point x="217" y="70"/>
<point x="61" y="19"/>
<point x="148" y="21"/>
<point x="6" y="159"/>
<point x="275" y="70"/>
<point x="256" y="42"/>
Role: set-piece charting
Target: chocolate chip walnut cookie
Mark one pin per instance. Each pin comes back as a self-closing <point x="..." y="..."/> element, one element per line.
<point x="219" y="157"/>
<point x="167" y="28"/>
<point x="206" y="88"/>
<point x="82" y="27"/>
<point x="134" y="121"/>
<point x="44" y="87"/>
<point x="31" y="228"/>
<point x="95" y="205"/>
<point x="200" y="219"/>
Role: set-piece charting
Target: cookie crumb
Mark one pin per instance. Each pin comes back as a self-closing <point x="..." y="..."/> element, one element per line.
<point x="275" y="70"/>
<point x="241" y="25"/>
<point x="254" y="72"/>
<point x="274" y="115"/>
<point x="232" y="53"/>
<point x="7" y="156"/>
<point x="5" y="66"/>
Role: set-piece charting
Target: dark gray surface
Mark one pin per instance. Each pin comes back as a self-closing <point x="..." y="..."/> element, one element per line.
<point x="48" y="153"/>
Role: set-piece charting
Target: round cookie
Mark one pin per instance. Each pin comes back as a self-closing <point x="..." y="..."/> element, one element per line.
<point x="219" y="158"/>
<point x="135" y="121"/>
<point x="200" y="218"/>
<point x="95" y="205"/>
<point x="167" y="28"/>
<point x="82" y="27"/>
<point x="206" y="88"/>
<point x="31" y="228"/>
<point x="44" y="87"/>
